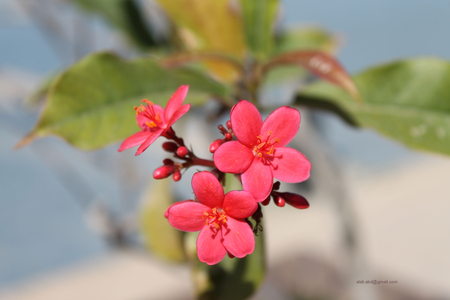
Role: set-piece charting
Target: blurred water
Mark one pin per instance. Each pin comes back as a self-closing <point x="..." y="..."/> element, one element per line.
<point x="41" y="225"/>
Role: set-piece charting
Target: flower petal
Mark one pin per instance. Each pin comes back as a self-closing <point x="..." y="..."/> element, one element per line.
<point x="233" y="157"/>
<point x="141" y="120"/>
<point x="284" y="123"/>
<point x="207" y="189"/>
<point x="152" y="136"/>
<point x="178" y="114"/>
<point x="238" y="237"/>
<point x="239" y="204"/>
<point x="258" y="180"/>
<point x="246" y="121"/>
<point x="187" y="215"/>
<point x="175" y="101"/>
<point x="134" y="140"/>
<point x="290" y="166"/>
<point x="210" y="249"/>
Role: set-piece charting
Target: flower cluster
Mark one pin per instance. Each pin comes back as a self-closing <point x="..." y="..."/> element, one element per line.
<point x="253" y="149"/>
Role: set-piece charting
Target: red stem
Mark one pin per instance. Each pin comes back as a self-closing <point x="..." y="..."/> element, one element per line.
<point x="202" y="162"/>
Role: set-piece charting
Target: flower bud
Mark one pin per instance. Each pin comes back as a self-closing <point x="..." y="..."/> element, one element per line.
<point x="170" y="146"/>
<point x="176" y="176"/>
<point x="168" y="161"/>
<point x="214" y="145"/>
<point x="230" y="255"/>
<point x="279" y="201"/>
<point x="229" y="124"/>
<point x="276" y="186"/>
<point x="266" y="201"/>
<point x="163" y="172"/>
<point x="222" y="129"/>
<point x="295" y="200"/>
<point x="228" y="136"/>
<point x="182" y="151"/>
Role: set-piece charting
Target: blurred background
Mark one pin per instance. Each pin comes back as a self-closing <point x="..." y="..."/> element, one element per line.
<point x="379" y="211"/>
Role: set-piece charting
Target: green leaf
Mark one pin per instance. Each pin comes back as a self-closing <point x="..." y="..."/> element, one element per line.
<point x="232" y="278"/>
<point x="91" y="104"/>
<point x="259" y="18"/>
<point x="159" y="236"/>
<point x="124" y="15"/>
<point x="405" y="100"/>
<point x="312" y="38"/>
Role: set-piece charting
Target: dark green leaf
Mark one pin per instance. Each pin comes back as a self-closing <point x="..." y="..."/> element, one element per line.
<point x="259" y="18"/>
<point x="160" y="237"/>
<point x="91" y="104"/>
<point x="124" y="15"/>
<point x="406" y="100"/>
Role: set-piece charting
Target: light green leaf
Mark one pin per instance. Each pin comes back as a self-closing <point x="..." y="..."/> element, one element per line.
<point x="160" y="237"/>
<point x="259" y="18"/>
<point x="232" y="278"/>
<point x="406" y="100"/>
<point x="124" y="15"/>
<point x="91" y="104"/>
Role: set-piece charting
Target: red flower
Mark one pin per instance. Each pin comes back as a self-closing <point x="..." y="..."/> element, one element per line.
<point x="219" y="217"/>
<point x="259" y="152"/>
<point x="155" y="121"/>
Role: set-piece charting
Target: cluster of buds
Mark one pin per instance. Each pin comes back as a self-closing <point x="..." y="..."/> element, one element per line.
<point x="281" y="198"/>
<point x="170" y="167"/>
<point x="228" y="136"/>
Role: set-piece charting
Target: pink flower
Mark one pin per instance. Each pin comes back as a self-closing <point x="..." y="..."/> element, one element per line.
<point x="156" y="121"/>
<point x="219" y="217"/>
<point x="259" y="152"/>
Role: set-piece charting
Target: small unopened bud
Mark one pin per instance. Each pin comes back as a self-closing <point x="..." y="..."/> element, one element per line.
<point x="279" y="201"/>
<point x="266" y="201"/>
<point x="276" y="186"/>
<point x="214" y="145"/>
<point x="170" y="146"/>
<point x="176" y="176"/>
<point x="222" y="129"/>
<point x="182" y="151"/>
<point x="230" y="255"/>
<point x="228" y="136"/>
<point x="163" y="172"/>
<point x="297" y="201"/>
<point x="229" y="124"/>
<point x="168" y="161"/>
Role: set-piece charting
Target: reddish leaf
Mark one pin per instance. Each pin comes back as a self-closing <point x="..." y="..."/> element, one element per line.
<point x="321" y="64"/>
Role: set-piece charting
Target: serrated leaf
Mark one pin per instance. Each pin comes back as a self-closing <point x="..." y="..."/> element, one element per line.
<point x="259" y="18"/>
<point x="406" y="100"/>
<point x="159" y="236"/>
<point x="91" y="104"/>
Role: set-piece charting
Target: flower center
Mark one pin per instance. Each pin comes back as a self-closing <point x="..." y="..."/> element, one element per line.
<point x="217" y="217"/>
<point x="265" y="146"/>
<point x="149" y="113"/>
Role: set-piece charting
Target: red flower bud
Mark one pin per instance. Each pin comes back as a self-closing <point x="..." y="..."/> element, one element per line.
<point x="279" y="201"/>
<point x="276" y="186"/>
<point x="214" y="145"/>
<point x="168" y="161"/>
<point x="266" y="201"/>
<point x="182" y="151"/>
<point x="229" y="124"/>
<point x="170" y="146"/>
<point x="176" y="176"/>
<point x="222" y="129"/>
<point x="228" y="136"/>
<point x="163" y="172"/>
<point x="230" y="255"/>
<point x="295" y="200"/>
